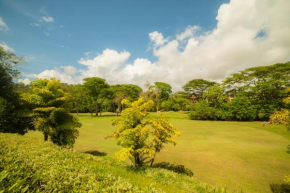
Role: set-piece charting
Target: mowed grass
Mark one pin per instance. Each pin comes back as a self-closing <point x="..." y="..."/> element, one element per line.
<point x="242" y="156"/>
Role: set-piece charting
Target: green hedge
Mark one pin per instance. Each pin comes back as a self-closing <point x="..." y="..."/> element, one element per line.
<point x="30" y="165"/>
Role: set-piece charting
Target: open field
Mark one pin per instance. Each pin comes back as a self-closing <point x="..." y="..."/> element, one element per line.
<point x="237" y="155"/>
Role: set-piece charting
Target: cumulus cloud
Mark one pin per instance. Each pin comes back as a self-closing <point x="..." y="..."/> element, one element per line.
<point x="105" y="64"/>
<point x="234" y="44"/>
<point x="6" y="47"/>
<point x="56" y="73"/>
<point x="47" y="19"/>
<point x="189" y="32"/>
<point x="25" y="81"/>
<point x="157" y="38"/>
<point x="3" y="25"/>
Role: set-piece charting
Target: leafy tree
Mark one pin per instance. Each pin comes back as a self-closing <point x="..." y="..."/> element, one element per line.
<point x="97" y="89"/>
<point x="196" y="87"/>
<point x="282" y="116"/>
<point x="78" y="97"/>
<point x="124" y="91"/>
<point x="164" y="88"/>
<point x="50" y="107"/>
<point x="13" y="117"/>
<point x="242" y="109"/>
<point x="215" y="95"/>
<point x="159" y="92"/>
<point x="264" y="86"/>
<point x="141" y="136"/>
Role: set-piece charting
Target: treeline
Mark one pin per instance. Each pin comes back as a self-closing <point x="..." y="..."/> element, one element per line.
<point x="252" y="94"/>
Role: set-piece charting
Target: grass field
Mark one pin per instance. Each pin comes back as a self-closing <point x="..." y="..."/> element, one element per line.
<point x="237" y="155"/>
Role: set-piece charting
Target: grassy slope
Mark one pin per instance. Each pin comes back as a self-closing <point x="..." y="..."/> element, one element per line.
<point x="237" y="155"/>
<point x="35" y="166"/>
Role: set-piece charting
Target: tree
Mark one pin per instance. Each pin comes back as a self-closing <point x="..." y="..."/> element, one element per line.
<point x="124" y="91"/>
<point x="282" y="116"/>
<point x="13" y="117"/>
<point x="264" y="86"/>
<point x="50" y="106"/>
<point x="141" y="136"/>
<point x="96" y="89"/>
<point x="215" y="95"/>
<point x="196" y="87"/>
<point x="159" y="92"/>
<point x="77" y="98"/>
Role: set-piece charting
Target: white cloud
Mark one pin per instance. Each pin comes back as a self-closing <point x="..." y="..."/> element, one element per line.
<point x="104" y="64"/>
<point x="3" y="25"/>
<point x="25" y="81"/>
<point x="35" y="24"/>
<point x="46" y="33"/>
<point x="157" y="38"/>
<point x="6" y="47"/>
<point x="189" y="32"/>
<point x="47" y="19"/>
<point x="231" y="46"/>
<point x="56" y="73"/>
<point x="69" y="70"/>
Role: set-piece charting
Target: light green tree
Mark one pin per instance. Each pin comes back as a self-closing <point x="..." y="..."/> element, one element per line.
<point x="50" y="109"/>
<point x="140" y="136"/>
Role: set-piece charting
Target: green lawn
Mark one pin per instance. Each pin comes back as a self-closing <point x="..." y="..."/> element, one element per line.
<point x="237" y="155"/>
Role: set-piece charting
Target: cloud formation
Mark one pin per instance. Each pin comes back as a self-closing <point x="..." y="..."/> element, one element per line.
<point x="234" y="44"/>
<point x="47" y="19"/>
<point x="6" y="47"/>
<point x="3" y="26"/>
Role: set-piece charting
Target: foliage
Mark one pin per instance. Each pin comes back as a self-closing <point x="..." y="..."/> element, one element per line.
<point x="196" y="87"/>
<point x="242" y="109"/>
<point x="134" y="131"/>
<point x="97" y="90"/>
<point x="13" y="115"/>
<point x="28" y="165"/>
<point x="202" y="111"/>
<point x="50" y="106"/>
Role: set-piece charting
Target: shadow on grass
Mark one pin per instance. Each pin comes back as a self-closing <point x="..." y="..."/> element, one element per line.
<point x="96" y="153"/>
<point x="280" y="188"/>
<point x="181" y="169"/>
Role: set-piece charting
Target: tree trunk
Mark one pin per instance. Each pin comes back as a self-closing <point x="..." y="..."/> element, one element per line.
<point x="45" y="136"/>
<point x="97" y="113"/>
<point x="100" y="109"/>
<point x="152" y="161"/>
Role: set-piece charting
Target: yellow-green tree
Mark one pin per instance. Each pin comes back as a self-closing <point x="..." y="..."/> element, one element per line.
<point x="140" y="136"/>
<point x="283" y="116"/>
<point x="50" y="109"/>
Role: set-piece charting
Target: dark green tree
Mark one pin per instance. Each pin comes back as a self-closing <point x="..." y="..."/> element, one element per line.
<point x="96" y="88"/>
<point x="13" y="117"/>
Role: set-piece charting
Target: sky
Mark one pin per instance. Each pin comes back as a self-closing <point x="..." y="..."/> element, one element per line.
<point x="131" y="41"/>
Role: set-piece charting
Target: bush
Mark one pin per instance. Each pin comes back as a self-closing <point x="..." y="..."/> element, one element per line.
<point x="202" y="111"/>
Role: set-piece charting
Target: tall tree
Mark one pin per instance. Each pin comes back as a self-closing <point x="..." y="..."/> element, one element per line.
<point x="96" y="89"/>
<point x="196" y="87"/>
<point x="13" y="117"/>
<point x="125" y="91"/>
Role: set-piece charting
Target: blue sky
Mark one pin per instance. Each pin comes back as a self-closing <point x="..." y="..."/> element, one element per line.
<point x="53" y="35"/>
